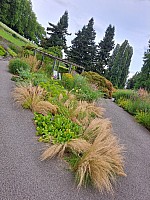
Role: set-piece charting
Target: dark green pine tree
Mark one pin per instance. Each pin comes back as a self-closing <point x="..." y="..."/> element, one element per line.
<point x="103" y="50"/>
<point x="83" y="48"/>
<point x="58" y="33"/>
<point x="120" y="65"/>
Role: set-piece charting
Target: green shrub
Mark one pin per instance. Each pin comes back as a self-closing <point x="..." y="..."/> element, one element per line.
<point x="144" y="118"/>
<point x="136" y="103"/>
<point x="15" y="48"/>
<point x="17" y="65"/>
<point x="80" y="87"/>
<point x="48" y="68"/>
<point x="53" y="88"/>
<point x="57" y="129"/>
<point x="100" y="82"/>
<point x="126" y="94"/>
<point x="2" y="51"/>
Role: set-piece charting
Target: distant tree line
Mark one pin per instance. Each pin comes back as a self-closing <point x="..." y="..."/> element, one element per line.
<point x="94" y="57"/>
<point x="142" y="79"/>
<point x="19" y="16"/>
<point x="103" y="58"/>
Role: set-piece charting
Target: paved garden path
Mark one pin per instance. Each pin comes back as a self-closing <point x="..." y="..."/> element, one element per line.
<point x="24" y="177"/>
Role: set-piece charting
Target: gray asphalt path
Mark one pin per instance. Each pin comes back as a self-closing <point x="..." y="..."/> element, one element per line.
<point x="24" y="177"/>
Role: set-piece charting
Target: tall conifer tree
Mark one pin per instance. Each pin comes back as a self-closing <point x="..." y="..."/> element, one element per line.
<point x="58" y="33"/>
<point x="103" y="50"/>
<point x="83" y="47"/>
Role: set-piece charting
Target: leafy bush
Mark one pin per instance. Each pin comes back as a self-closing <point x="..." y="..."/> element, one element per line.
<point x="16" y="65"/>
<point x="101" y="82"/>
<point x="57" y="129"/>
<point x="55" y="51"/>
<point x="68" y="81"/>
<point x="125" y="94"/>
<point x="136" y="103"/>
<point x="80" y="87"/>
<point x="48" y="68"/>
<point x="53" y="88"/>
<point x="2" y="51"/>
<point x="143" y="118"/>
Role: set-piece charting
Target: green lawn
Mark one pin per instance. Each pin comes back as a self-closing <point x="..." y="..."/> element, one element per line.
<point x="11" y="39"/>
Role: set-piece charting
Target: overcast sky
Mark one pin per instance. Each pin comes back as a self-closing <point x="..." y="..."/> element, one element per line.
<point x="131" y="19"/>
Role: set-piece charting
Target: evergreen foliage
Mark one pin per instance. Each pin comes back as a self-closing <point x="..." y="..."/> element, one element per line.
<point x="57" y="33"/>
<point x="83" y="47"/>
<point x="18" y="15"/>
<point x="120" y="62"/>
<point x="103" y="50"/>
<point x="142" y="79"/>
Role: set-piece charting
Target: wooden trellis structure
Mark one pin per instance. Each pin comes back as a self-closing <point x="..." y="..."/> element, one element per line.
<point x="68" y="63"/>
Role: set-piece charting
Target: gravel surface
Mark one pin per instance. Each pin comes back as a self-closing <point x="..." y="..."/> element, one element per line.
<point x="24" y="177"/>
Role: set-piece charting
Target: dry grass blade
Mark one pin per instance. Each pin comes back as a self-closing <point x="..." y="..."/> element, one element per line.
<point x="60" y="97"/>
<point x="102" y="162"/>
<point x="20" y="94"/>
<point x="89" y="108"/>
<point x="78" y="145"/>
<point x="33" y="62"/>
<point x="84" y="112"/>
<point x="52" y="151"/>
<point x="44" y="107"/>
<point x="33" y="97"/>
<point x="97" y="126"/>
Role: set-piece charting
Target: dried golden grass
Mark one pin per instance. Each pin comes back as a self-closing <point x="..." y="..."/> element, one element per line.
<point x="52" y="151"/>
<point x="96" y="126"/>
<point x="89" y="108"/>
<point x="78" y="145"/>
<point x="102" y="162"/>
<point x="33" y="62"/>
<point x="84" y="112"/>
<point x="75" y="145"/>
<point x="32" y="97"/>
<point x="44" y="107"/>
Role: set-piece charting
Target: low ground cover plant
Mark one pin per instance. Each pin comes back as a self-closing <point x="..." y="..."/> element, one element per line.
<point x="136" y="103"/>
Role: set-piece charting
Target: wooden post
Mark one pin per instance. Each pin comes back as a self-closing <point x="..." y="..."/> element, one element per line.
<point x="58" y="70"/>
<point x="70" y="67"/>
<point x="34" y="52"/>
<point x="54" y="65"/>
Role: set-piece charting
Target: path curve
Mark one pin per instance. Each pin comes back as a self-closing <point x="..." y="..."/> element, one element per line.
<point x="24" y="177"/>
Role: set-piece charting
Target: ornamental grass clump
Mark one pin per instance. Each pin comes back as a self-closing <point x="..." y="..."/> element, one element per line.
<point x="32" y="97"/>
<point x="85" y="111"/>
<point x="101" y="163"/>
<point x="32" y="62"/>
<point x="75" y="145"/>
